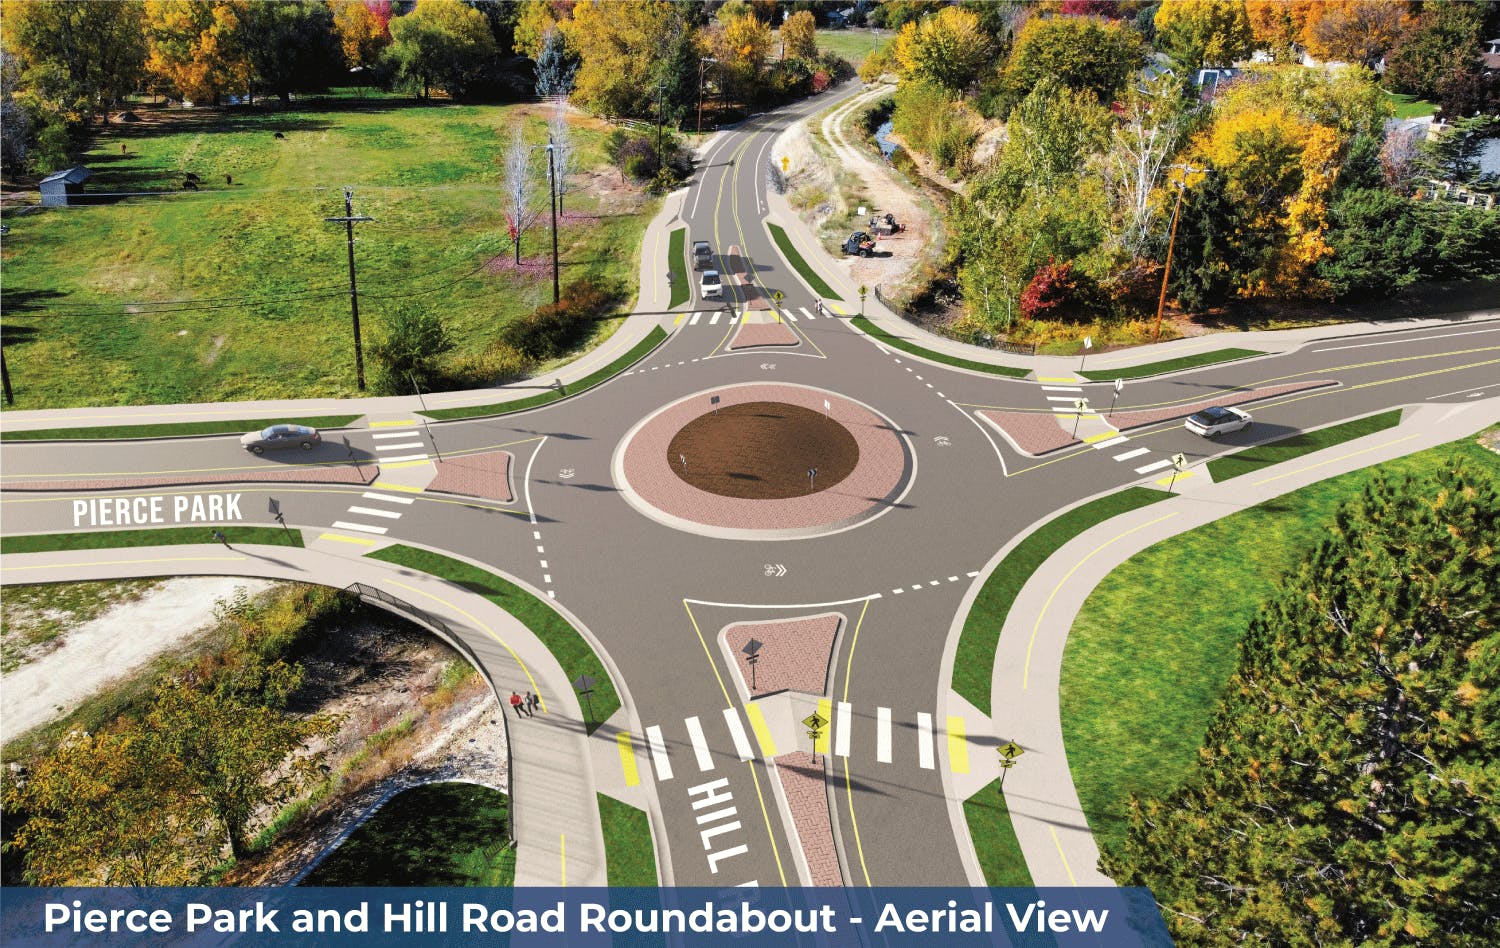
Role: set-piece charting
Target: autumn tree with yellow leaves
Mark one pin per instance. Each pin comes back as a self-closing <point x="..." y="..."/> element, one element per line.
<point x="198" y="51"/>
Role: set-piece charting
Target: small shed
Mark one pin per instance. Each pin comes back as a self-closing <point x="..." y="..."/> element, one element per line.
<point x="61" y="188"/>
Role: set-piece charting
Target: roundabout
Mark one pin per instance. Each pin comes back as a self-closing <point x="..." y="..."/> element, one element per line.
<point x="763" y="461"/>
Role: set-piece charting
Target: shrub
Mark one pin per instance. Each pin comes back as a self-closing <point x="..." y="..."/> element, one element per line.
<point x="554" y="328"/>
<point x="1059" y="292"/>
<point x="407" y="351"/>
<point x="497" y="365"/>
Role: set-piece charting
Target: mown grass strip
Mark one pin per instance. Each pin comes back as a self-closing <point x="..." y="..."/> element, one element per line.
<point x="677" y="266"/>
<point x="629" y="853"/>
<point x="896" y="342"/>
<point x="565" y="643"/>
<point x="176" y="430"/>
<point x="169" y="536"/>
<point x="975" y="659"/>
<point x="801" y="266"/>
<point x="652" y="340"/>
<point x="994" y="838"/>
<point x="1150" y="651"/>
<point x="1171" y="365"/>
<point x="437" y="834"/>
<point x="1264" y="455"/>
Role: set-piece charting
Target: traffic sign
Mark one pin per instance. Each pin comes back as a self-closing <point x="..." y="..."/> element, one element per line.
<point x="785" y="162"/>
<point x="1011" y="750"/>
<point x="815" y="721"/>
<point x="1179" y="461"/>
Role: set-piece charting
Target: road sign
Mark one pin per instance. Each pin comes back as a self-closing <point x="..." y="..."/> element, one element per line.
<point x="1011" y="750"/>
<point x="786" y="163"/>
<point x="274" y="506"/>
<point x="584" y="684"/>
<point x="815" y="721"/>
<point x="753" y="646"/>
<point x="1179" y="461"/>
<point x="1088" y="342"/>
<point x="1119" y="385"/>
<point x="1007" y="764"/>
<point x="827" y="407"/>
<point x="1080" y="404"/>
<point x="714" y="401"/>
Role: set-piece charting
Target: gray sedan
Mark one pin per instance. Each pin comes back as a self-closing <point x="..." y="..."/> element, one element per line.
<point x="277" y="437"/>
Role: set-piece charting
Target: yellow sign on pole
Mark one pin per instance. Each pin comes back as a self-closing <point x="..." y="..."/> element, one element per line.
<point x="785" y="162"/>
<point x="1011" y="750"/>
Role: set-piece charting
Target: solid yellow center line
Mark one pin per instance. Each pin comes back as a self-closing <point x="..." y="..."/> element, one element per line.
<point x="854" y="823"/>
<point x="1026" y="668"/>
<point x="1313" y="467"/>
<point x="710" y="655"/>
<point x="627" y="759"/>
<point x="958" y="745"/>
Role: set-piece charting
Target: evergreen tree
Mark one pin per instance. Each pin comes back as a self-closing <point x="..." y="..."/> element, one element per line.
<point x="1346" y="789"/>
<point x="555" y="67"/>
<point x="1380" y="244"/>
<point x="1205" y="258"/>
<point x="1361" y="168"/>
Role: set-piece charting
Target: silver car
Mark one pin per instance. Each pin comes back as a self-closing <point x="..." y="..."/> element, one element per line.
<point x="278" y="437"/>
<point x="1216" y="421"/>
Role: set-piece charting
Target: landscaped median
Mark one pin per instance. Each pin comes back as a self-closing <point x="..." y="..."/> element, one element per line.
<point x="794" y="257"/>
<point x="629" y="853"/>
<point x="169" y="536"/>
<point x="677" y="267"/>
<point x="1264" y="455"/>
<point x="566" y="643"/>
<point x="1170" y="365"/>
<point x="637" y="352"/>
<point x="186" y="429"/>
<point x="896" y="342"/>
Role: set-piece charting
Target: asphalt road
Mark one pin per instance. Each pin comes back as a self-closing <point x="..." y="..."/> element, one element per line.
<point x="649" y="591"/>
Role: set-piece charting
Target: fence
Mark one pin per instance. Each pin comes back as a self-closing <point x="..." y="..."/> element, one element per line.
<point x="390" y="603"/>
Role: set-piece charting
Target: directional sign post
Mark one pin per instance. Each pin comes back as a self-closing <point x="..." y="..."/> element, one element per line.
<point x="1080" y="406"/>
<point x="714" y="401"/>
<point x="275" y="507"/>
<point x="827" y="408"/>
<point x="1088" y="343"/>
<point x="1179" y="464"/>
<point x="584" y="685"/>
<point x="1119" y="386"/>
<point x="683" y="459"/>
<point x="1009" y="751"/>
<point x="815" y="723"/>
<point x="863" y="289"/>
<point x="812" y="474"/>
<point x="752" y="656"/>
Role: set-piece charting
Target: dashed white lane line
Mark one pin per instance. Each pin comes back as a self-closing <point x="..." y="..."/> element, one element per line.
<point x="1132" y="454"/>
<point x="898" y="591"/>
<point x="916" y="587"/>
<point x="404" y="457"/>
<point x="372" y="512"/>
<point x="344" y="525"/>
<point x="932" y="582"/>
<point x="547" y="578"/>
<point x="952" y="579"/>
<point x="659" y="757"/>
<point x="843" y="724"/>
<point x="883" y="735"/>
<point x="1154" y="466"/>
<point x="541" y="549"/>
<point x="536" y="534"/>
<point x="924" y="740"/>
<point x="737" y="732"/>
<point x="389" y="498"/>
<point x="544" y="564"/>
<point x="700" y="744"/>
<point x="973" y="574"/>
<point x="386" y="435"/>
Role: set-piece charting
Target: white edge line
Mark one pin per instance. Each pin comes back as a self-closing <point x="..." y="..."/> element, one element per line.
<point x="530" y="509"/>
<point x="795" y="605"/>
<point x="984" y="431"/>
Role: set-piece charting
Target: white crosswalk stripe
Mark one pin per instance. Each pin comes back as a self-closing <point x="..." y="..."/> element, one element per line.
<point x="715" y="317"/>
<point x="737" y="733"/>
<point x="404" y="457"/>
<point x="1061" y="398"/>
<point x="405" y="446"/>
<point x="659" y="757"/>
<point x="883" y="735"/>
<point x="694" y="320"/>
<point x="700" y="744"/>
<point x="843" y="719"/>
<point x="389" y="498"/>
<point x="1062" y="388"/>
<point x="345" y="525"/>
<point x="385" y="435"/>
<point x="1101" y="445"/>
<point x="790" y="315"/>
<point x="924" y="740"/>
<point x="1154" y="466"/>
<point x="1132" y="454"/>
<point x="804" y="312"/>
<point x="372" y="512"/>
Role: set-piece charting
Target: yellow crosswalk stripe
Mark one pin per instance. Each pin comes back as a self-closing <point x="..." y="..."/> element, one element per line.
<point x="825" y="711"/>
<point x="1102" y="436"/>
<point x="337" y="538"/>
<point x="627" y="759"/>
<point x="387" y="485"/>
<point x="392" y="424"/>
<point x="1180" y="478"/>
<point x="958" y="747"/>
<point x="1055" y="378"/>
<point x="762" y="732"/>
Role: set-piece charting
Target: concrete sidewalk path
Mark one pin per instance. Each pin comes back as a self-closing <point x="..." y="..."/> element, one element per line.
<point x="1049" y="822"/>
<point x="558" y="834"/>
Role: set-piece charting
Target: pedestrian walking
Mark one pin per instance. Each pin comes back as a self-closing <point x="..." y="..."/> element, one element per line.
<point x="219" y="535"/>
<point x="515" y="702"/>
<point x="532" y="703"/>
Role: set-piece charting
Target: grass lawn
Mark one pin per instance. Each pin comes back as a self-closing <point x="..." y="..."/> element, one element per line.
<point x="1253" y="459"/>
<point x="994" y="840"/>
<point x="169" y="536"/>
<point x="1409" y="106"/>
<point x="259" y="276"/>
<point x="1149" y="653"/>
<point x="974" y="662"/>
<point x="629" y="854"/>
<point x="653" y="339"/>
<point x="437" y="834"/>
<point x="565" y="643"/>
<point x="895" y="342"/>
<point x="184" y="429"/>
<point x="1170" y="365"/>
<point x="677" y="266"/>
<point x="794" y="257"/>
<point x="853" y="45"/>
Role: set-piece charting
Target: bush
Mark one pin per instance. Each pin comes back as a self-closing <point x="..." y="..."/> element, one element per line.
<point x="407" y="351"/>
<point x="497" y="365"/>
<point x="1060" y="292"/>
<point x="555" y="328"/>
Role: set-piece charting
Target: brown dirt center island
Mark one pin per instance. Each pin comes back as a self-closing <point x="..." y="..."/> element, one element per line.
<point x="763" y="451"/>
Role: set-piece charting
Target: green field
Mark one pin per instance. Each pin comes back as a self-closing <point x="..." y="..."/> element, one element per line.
<point x="259" y="278"/>
<point x="1149" y="652"/>
<point x="166" y="536"/>
<point x="433" y="835"/>
<point x="853" y="45"/>
<point x="794" y="257"/>
<point x="1409" y="106"/>
<point x="629" y="854"/>
<point x="566" y="643"/>
<point x="677" y="266"/>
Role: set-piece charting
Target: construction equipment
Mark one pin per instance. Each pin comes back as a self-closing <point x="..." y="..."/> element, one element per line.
<point x="859" y="244"/>
<point x="885" y="226"/>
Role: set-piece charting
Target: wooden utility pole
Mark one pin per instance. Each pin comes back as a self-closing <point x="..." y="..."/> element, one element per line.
<point x="349" y="220"/>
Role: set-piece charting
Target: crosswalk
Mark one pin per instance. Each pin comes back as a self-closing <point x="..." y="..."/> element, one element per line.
<point x="692" y="747"/>
<point x="1067" y="396"/>
<point x="387" y="502"/>
<point x="715" y="316"/>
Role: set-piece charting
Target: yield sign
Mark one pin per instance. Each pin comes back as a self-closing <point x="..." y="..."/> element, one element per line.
<point x="1011" y="750"/>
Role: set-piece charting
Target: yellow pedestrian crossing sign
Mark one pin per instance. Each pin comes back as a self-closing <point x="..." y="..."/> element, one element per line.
<point x="785" y="162"/>
<point x="1011" y="750"/>
<point x="815" y="721"/>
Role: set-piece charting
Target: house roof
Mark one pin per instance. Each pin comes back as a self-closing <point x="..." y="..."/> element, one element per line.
<point x="74" y="175"/>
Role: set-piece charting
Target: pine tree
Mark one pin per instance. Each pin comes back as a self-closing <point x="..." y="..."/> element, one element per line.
<point x="555" y="67"/>
<point x="1346" y="790"/>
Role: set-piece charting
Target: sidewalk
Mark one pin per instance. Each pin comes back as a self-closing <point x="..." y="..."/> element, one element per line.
<point x="558" y="834"/>
<point x="1048" y="819"/>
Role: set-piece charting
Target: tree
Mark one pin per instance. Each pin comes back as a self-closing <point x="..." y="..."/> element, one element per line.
<point x="744" y="45"/>
<point x="1454" y="154"/>
<point x="1348" y="99"/>
<point x="362" y="35"/>
<point x="1201" y="33"/>
<point x="1356" y="31"/>
<point x="1343" y="791"/>
<point x="1277" y="25"/>
<point x="291" y="45"/>
<point x="1141" y="145"/>
<point x="197" y="47"/>
<point x="618" y="46"/>
<point x="1059" y="292"/>
<point x="442" y="43"/>
<point x="536" y="19"/>
<point x="799" y="38"/>
<point x="408" y="350"/>
<point x="555" y="67"/>
<point x="99" y="47"/>
<point x="1084" y="54"/>
<point x="933" y="121"/>
<point x="101" y="809"/>
<point x="1468" y="88"/>
<point x="236" y="748"/>
<point x="1209" y="253"/>
<point x="948" y="48"/>
<point x="564" y="151"/>
<point x="1379" y="244"/>
<point x="518" y="171"/>
<point x="1361" y="167"/>
<point x="1419" y="60"/>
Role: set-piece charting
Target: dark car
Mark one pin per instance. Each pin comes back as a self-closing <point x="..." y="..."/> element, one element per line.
<point x="703" y="255"/>
<point x="279" y="437"/>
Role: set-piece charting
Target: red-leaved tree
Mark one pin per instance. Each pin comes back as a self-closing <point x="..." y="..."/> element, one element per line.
<point x="1106" y="8"/>
<point x="1057" y="292"/>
